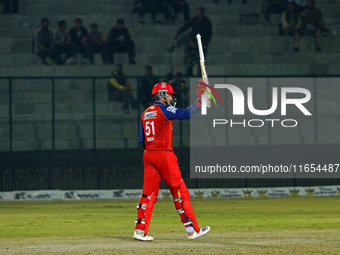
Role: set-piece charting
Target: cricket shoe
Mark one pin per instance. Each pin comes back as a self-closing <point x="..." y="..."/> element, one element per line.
<point x="139" y="235"/>
<point x="195" y="234"/>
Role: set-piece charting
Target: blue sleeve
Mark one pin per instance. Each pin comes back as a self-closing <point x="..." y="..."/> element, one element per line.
<point x="141" y="135"/>
<point x="172" y="113"/>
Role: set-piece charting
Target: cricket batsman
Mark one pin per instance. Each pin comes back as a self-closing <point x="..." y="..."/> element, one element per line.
<point x="160" y="162"/>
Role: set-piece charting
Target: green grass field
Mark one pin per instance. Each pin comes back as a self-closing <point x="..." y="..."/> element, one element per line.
<point x="308" y="225"/>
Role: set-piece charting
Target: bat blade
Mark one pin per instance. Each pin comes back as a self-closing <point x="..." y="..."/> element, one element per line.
<point x="203" y="70"/>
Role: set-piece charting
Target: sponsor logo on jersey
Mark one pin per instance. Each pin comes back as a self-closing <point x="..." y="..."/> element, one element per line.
<point x="150" y="115"/>
<point x="150" y="139"/>
<point x="171" y="109"/>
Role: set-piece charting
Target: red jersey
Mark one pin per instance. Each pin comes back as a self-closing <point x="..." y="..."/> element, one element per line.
<point x="155" y="133"/>
<point x="157" y="130"/>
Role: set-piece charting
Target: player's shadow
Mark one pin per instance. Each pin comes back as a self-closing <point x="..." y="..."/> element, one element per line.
<point x="122" y="238"/>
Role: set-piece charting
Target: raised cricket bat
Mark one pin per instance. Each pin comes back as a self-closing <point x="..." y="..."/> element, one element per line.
<point x="206" y="99"/>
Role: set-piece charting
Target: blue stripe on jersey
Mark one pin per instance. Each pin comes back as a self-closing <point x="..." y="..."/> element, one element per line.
<point x="172" y="113"/>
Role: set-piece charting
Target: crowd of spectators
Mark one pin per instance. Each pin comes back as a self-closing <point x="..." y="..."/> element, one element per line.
<point x="78" y="40"/>
<point x="299" y="17"/>
<point x="303" y="19"/>
<point x="64" y="46"/>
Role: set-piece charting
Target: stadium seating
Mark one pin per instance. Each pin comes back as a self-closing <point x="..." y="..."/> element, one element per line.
<point x="236" y="48"/>
<point x="243" y="44"/>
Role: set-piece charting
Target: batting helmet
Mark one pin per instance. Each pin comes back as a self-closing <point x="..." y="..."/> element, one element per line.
<point x="160" y="89"/>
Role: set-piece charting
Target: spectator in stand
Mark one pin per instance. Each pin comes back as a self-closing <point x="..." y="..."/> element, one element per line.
<point x="96" y="42"/>
<point x="119" y="89"/>
<point x="200" y="24"/>
<point x="273" y="6"/>
<point x="313" y="23"/>
<point x="10" y="3"/>
<point x="79" y="41"/>
<point x="291" y="24"/>
<point x="43" y="42"/>
<point x="62" y="44"/>
<point x="119" y="40"/>
<point x="146" y="85"/>
<point x="147" y="6"/>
